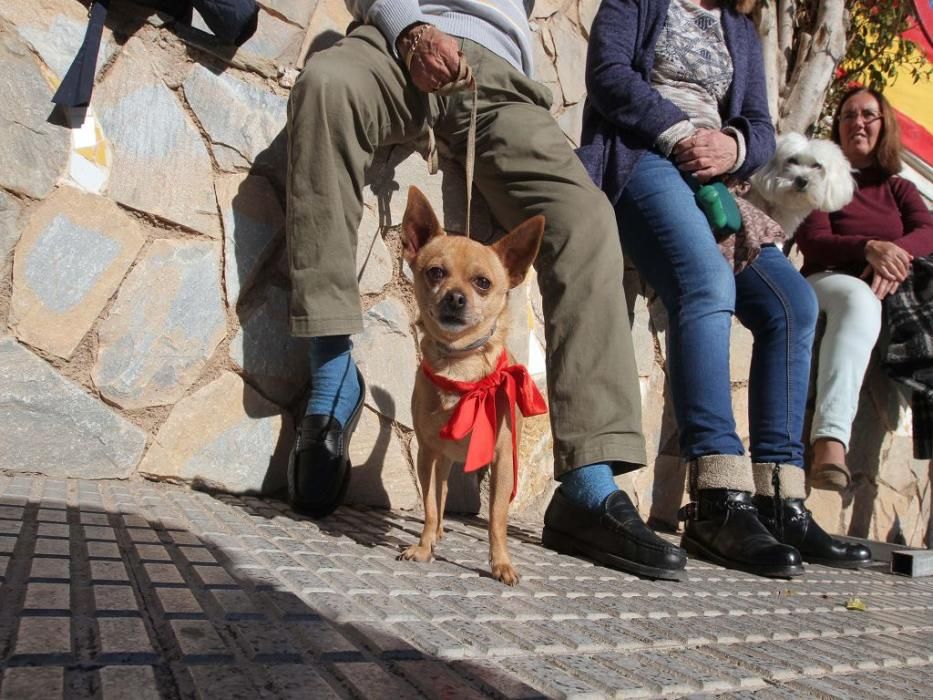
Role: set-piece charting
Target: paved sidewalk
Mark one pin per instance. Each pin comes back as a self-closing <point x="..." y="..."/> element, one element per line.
<point x="130" y="589"/>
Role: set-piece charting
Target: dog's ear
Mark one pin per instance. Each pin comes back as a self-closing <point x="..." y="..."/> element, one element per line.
<point x="838" y="183"/>
<point x="519" y="248"/>
<point x="840" y="188"/>
<point x="419" y="225"/>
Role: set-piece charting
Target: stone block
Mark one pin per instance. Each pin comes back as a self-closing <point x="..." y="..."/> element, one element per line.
<point x="896" y="469"/>
<point x="661" y="490"/>
<point x="53" y="427"/>
<point x="160" y="163"/>
<point x="297" y="11"/>
<point x="544" y="9"/>
<point x="545" y="72"/>
<point x="73" y="254"/>
<point x="328" y="23"/>
<point x="521" y="337"/>
<point x="570" y="121"/>
<point x="570" y="49"/>
<point x="253" y="223"/>
<point x="395" y="169"/>
<point x="225" y="436"/>
<point x="381" y="474"/>
<point x="740" y="411"/>
<point x="385" y="353"/>
<point x="10" y="209"/>
<point x="115" y="680"/>
<point x="373" y="261"/>
<point x="828" y="510"/>
<point x="272" y="359"/>
<point x="43" y="635"/>
<point x="587" y="10"/>
<point x="895" y="516"/>
<point x="642" y="337"/>
<point x="34" y="151"/>
<point x="740" y="352"/>
<point x="242" y="121"/>
<point x="536" y="468"/>
<point x="122" y="636"/>
<point x="275" y="40"/>
<point x="154" y="346"/>
<point x="55" y="29"/>
<point x="33" y="683"/>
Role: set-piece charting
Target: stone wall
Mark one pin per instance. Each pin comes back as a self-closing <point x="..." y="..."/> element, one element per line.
<point x="143" y="286"/>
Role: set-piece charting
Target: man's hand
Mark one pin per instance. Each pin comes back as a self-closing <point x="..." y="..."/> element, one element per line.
<point x="706" y="154"/>
<point x="434" y="58"/>
<point x="888" y="260"/>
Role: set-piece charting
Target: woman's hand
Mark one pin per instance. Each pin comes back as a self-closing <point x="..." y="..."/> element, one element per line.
<point x="435" y="56"/>
<point x="881" y="286"/>
<point x="888" y="260"/>
<point x="706" y="154"/>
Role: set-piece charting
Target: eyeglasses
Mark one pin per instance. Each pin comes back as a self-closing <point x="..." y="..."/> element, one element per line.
<point x="869" y="116"/>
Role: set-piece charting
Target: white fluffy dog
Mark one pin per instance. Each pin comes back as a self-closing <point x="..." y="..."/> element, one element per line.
<point x="802" y="176"/>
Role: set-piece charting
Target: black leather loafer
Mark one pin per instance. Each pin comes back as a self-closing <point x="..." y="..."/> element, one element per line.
<point x="319" y="464"/>
<point x="614" y="535"/>
<point x="792" y="523"/>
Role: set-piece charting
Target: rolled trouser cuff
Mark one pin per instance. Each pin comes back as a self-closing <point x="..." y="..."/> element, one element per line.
<point x="788" y="478"/>
<point x="731" y="472"/>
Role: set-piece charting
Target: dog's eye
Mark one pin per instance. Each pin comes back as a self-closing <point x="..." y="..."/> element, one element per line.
<point x="818" y="166"/>
<point x="436" y="274"/>
<point x="482" y="283"/>
<point x="793" y="161"/>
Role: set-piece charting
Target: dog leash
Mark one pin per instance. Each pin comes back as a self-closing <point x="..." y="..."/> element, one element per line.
<point x="464" y="79"/>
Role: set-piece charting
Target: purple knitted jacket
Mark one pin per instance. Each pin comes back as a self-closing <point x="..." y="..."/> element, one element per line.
<point x="624" y="114"/>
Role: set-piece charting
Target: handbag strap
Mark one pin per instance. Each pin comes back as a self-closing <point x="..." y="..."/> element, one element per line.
<point x="78" y="83"/>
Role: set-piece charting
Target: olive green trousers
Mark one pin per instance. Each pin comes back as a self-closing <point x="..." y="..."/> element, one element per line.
<point x="354" y="97"/>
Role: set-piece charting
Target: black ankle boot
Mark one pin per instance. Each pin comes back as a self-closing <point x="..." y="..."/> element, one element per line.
<point x="723" y="527"/>
<point x="791" y="523"/>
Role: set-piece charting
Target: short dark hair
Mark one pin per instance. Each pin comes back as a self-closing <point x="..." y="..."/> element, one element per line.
<point x="888" y="149"/>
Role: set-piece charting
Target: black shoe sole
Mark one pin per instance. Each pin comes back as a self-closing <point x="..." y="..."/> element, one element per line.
<point x="565" y="544"/>
<point x="836" y="564"/>
<point x="323" y="510"/>
<point x="698" y="550"/>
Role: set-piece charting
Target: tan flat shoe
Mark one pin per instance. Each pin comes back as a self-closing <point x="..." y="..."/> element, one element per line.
<point x="830" y="476"/>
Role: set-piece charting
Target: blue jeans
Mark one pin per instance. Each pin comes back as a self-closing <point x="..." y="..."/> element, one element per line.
<point x="668" y="238"/>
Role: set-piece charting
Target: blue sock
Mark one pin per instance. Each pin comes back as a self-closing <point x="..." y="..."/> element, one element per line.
<point x="588" y="486"/>
<point x="335" y="388"/>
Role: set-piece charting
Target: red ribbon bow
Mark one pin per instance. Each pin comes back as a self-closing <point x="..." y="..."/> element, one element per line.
<point x="475" y="413"/>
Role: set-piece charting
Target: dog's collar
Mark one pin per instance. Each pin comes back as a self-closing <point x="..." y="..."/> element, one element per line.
<point x="475" y="345"/>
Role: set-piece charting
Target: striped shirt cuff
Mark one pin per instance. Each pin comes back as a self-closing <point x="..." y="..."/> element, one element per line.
<point x="671" y="136"/>
<point x="740" y="141"/>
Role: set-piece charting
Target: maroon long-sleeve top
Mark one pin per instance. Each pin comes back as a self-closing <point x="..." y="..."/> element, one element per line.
<point x="885" y="208"/>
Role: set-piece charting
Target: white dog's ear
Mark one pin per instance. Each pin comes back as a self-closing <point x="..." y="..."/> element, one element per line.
<point x="766" y="180"/>
<point x="838" y="183"/>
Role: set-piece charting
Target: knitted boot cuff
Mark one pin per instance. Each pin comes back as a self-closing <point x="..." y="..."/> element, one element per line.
<point x="723" y="472"/>
<point x="791" y="480"/>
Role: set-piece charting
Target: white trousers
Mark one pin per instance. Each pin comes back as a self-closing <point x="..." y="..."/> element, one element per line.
<point x="853" y="321"/>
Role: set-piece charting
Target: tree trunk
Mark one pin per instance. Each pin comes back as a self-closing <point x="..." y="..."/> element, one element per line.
<point x="800" y="60"/>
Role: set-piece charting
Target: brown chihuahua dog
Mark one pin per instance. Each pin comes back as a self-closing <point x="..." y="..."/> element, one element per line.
<point x="462" y="288"/>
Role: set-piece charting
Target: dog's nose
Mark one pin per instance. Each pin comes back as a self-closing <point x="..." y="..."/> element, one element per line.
<point x="800" y="182"/>
<point x="454" y="300"/>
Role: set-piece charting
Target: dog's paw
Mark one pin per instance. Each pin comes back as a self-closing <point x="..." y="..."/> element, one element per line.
<point x="417" y="552"/>
<point x="505" y="573"/>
